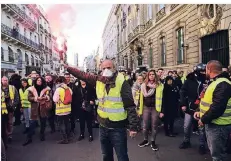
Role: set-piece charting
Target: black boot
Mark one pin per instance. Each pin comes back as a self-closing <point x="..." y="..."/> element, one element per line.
<point x="90" y="138"/>
<point x="28" y="141"/>
<point x="81" y="137"/>
<point x="42" y="137"/>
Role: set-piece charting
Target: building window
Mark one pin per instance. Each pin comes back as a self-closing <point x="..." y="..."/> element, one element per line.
<point x="11" y="55"/>
<point x="180" y="46"/>
<point x="26" y="59"/>
<point x="23" y="8"/>
<point x="163" y="51"/>
<point x="30" y="35"/>
<point x="150" y="57"/>
<point x="37" y="64"/>
<point x="2" y="54"/>
<point x="160" y="6"/>
<point x="25" y="32"/>
<point x="46" y="41"/>
<point x="32" y="60"/>
<point x="129" y="10"/>
<point x="149" y="14"/>
<point x="35" y="39"/>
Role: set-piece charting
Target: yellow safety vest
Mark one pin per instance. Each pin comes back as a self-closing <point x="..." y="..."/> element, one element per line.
<point x="12" y="92"/>
<point x="183" y="79"/>
<point x="60" y="107"/>
<point x="159" y="96"/>
<point x="205" y="103"/>
<point x="111" y="105"/>
<point x="24" y="98"/>
<point x="30" y="82"/>
<point x="3" y="103"/>
<point x="126" y="77"/>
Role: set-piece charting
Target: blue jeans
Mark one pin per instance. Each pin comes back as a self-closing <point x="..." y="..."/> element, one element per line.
<point x="188" y="122"/>
<point x="217" y="138"/>
<point x="27" y="113"/>
<point x="113" y="138"/>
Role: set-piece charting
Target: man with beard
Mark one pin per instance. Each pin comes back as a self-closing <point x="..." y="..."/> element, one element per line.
<point x="51" y="118"/>
<point x="116" y="109"/>
<point x="215" y="110"/>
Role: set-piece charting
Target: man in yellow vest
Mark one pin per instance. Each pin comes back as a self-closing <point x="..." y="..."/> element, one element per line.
<point x="116" y="109"/>
<point x="11" y="99"/>
<point x="215" y="110"/>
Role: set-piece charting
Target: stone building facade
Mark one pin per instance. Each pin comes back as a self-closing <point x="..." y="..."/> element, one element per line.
<point x="25" y="39"/>
<point x="109" y="37"/>
<point x="172" y="36"/>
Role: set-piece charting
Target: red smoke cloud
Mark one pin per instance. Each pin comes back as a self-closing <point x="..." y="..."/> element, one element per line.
<point x="61" y="17"/>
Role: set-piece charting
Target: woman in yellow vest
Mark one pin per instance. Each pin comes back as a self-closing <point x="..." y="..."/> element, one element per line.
<point x="150" y="107"/>
<point x="25" y="103"/>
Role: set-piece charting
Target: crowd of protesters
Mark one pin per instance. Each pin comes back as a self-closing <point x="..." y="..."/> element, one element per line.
<point x="151" y="98"/>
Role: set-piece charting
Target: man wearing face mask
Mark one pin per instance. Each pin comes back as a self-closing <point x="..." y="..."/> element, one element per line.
<point x="215" y="110"/>
<point x="189" y="93"/>
<point x="116" y="109"/>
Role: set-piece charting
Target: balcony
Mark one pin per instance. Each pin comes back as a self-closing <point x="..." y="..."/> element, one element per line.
<point x="50" y="51"/>
<point x="137" y="31"/>
<point x="49" y="35"/>
<point x="173" y="6"/>
<point x="160" y="14"/>
<point x="148" y="25"/>
<point x="19" y="15"/>
<point x="45" y="31"/>
<point x="15" y="37"/>
<point x="41" y="46"/>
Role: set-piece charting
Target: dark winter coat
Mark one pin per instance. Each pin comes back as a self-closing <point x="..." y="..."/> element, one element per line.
<point x="170" y="99"/>
<point x="190" y="92"/>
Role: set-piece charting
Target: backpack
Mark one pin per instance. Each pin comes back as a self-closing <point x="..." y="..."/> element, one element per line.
<point x="67" y="96"/>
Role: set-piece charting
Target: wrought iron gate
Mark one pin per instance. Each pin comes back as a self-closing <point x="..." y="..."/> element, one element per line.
<point x="216" y="47"/>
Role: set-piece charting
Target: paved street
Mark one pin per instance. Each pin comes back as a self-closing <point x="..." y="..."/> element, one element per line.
<point x="85" y="151"/>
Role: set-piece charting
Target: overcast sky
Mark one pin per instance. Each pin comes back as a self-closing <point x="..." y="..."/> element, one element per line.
<point x="82" y="24"/>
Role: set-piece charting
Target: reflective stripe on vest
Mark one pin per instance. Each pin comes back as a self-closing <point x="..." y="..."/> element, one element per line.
<point x="60" y="107"/>
<point x="159" y="96"/>
<point x="3" y="104"/>
<point x="24" y="98"/>
<point x="113" y="99"/>
<point x="205" y="103"/>
<point x="12" y="92"/>
<point x="111" y="105"/>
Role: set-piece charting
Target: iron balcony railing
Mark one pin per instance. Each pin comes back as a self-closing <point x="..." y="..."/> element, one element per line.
<point x="15" y="34"/>
<point x="22" y="14"/>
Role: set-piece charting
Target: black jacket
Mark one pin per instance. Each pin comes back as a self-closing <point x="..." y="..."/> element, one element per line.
<point x="74" y="104"/>
<point x="221" y="95"/>
<point x="87" y="95"/>
<point x="190" y="92"/>
<point x="170" y="99"/>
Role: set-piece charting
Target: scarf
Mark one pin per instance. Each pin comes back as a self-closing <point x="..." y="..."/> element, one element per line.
<point x="150" y="92"/>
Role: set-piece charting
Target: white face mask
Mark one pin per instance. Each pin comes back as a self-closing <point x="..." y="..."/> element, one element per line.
<point x="107" y="73"/>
